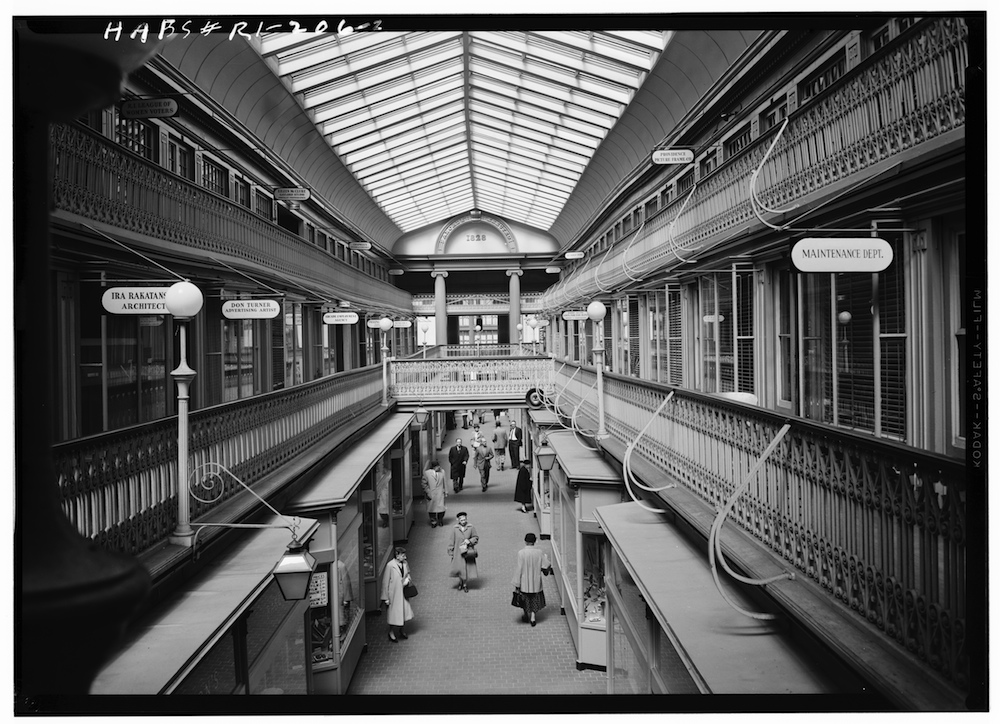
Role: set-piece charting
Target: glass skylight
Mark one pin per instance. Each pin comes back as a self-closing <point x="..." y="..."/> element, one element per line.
<point x="434" y="124"/>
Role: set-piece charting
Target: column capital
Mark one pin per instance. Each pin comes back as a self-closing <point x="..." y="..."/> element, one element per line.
<point x="437" y="273"/>
<point x="512" y="272"/>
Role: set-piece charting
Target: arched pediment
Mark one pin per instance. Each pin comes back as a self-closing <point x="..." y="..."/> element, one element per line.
<point x="476" y="233"/>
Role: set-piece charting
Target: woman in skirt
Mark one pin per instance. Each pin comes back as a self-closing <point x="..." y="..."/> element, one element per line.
<point x="532" y="564"/>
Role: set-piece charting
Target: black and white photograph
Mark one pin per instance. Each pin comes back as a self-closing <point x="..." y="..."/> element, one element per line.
<point x="498" y="362"/>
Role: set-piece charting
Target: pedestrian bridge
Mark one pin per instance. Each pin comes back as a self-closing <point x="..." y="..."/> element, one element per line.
<point x="458" y="377"/>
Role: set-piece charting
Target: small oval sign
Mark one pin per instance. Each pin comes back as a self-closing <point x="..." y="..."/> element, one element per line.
<point x="250" y="309"/>
<point x="575" y="315"/>
<point x="293" y="193"/>
<point x="135" y="300"/>
<point x="841" y="255"/>
<point x="359" y="245"/>
<point x="669" y="156"/>
<point x="340" y="318"/>
<point x="402" y="324"/>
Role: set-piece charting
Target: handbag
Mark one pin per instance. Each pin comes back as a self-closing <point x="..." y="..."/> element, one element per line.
<point x="409" y="591"/>
<point x="515" y="600"/>
<point x="470" y="553"/>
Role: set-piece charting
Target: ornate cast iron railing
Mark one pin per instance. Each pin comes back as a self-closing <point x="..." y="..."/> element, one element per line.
<point x="120" y="488"/>
<point x="468" y="378"/>
<point x="882" y="111"/>
<point x="97" y="179"/>
<point x="879" y="525"/>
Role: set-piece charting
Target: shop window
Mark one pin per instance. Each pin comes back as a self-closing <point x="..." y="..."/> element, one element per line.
<point x="738" y="141"/>
<point x="595" y="600"/>
<point x="709" y="163"/>
<point x="263" y="205"/>
<point x="959" y="374"/>
<point x="823" y="78"/>
<point x="180" y="158"/>
<point x="651" y="208"/>
<point x="666" y="196"/>
<point x="727" y="342"/>
<point x="92" y="119"/>
<point x="853" y="349"/>
<point x="627" y="672"/>
<point x="242" y="192"/>
<point x="217" y="672"/>
<point x="215" y="177"/>
<point x="326" y="351"/>
<point x="137" y="136"/>
<point x="786" y="362"/>
<point x="136" y="370"/>
<point x="293" y="344"/>
<point x="685" y="183"/>
<point x="239" y="359"/>
<point x="774" y="114"/>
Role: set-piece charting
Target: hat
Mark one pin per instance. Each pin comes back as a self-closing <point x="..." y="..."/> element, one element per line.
<point x="529" y="538"/>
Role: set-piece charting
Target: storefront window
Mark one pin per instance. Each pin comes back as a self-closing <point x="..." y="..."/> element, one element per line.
<point x="726" y="318"/>
<point x="626" y="671"/>
<point x="293" y="343"/>
<point x="238" y="357"/>
<point x="853" y="341"/>
<point x="349" y="588"/>
<point x="368" y="538"/>
<point x="136" y="371"/>
<point x="672" y="671"/>
<point x="595" y="600"/>
<point x="320" y="618"/>
<point x="215" y="673"/>
<point x="628" y="592"/>
<point x="568" y="540"/>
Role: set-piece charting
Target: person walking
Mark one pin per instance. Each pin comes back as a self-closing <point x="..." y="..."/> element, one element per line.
<point x="532" y="564"/>
<point x="436" y="492"/>
<point x="482" y="456"/>
<point x="514" y="444"/>
<point x="395" y="576"/>
<point x="463" y="564"/>
<point x="500" y="445"/>
<point x="458" y="456"/>
<point x="478" y="438"/>
<point x="522" y="489"/>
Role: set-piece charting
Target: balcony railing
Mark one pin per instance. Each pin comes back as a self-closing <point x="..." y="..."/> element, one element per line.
<point x="120" y="488"/>
<point x="880" y="526"/>
<point x="883" y="111"/>
<point x="466" y="378"/>
<point x="97" y="179"/>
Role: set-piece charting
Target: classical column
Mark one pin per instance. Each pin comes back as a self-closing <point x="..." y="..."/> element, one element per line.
<point x="440" y="308"/>
<point x="515" y="302"/>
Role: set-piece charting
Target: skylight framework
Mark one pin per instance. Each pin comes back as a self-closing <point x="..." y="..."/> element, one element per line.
<point x="434" y="124"/>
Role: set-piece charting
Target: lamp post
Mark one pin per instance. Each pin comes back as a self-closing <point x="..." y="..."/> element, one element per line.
<point x="424" y="326"/>
<point x="533" y="323"/>
<point x="183" y="301"/>
<point x="520" y="335"/>
<point x="478" y="330"/>
<point x="385" y="324"/>
<point x="596" y="311"/>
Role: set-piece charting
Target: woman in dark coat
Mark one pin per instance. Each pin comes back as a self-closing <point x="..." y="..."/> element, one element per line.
<point x="522" y="490"/>
<point x="532" y="564"/>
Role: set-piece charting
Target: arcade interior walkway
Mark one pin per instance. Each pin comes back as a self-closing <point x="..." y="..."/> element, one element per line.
<point x="474" y="643"/>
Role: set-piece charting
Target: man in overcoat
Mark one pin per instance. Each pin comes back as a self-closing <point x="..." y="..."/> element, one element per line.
<point x="458" y="456"/>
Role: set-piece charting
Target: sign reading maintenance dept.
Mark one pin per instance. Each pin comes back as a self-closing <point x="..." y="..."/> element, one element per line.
<point x="841" y="255"/>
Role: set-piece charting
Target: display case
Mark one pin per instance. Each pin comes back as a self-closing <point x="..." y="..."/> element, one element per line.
<point x="581" y="481"/>
<point x="401" y="488"/>
<point x="540" y="423"/>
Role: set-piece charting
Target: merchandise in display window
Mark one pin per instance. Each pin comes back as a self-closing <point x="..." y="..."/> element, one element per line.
<point x="595" y="600"/>
<point x="368" y="539"/>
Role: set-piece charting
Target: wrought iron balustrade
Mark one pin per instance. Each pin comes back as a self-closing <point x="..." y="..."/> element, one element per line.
<point x="97" y="179"/>
<point x="880" y="526"/>
<point x="467" y="377"/>
<point x="881" y="112"/>
<point x="120" y="488"/>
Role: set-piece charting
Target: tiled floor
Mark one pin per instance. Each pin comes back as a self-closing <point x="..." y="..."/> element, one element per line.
<point x="474" y="643"/>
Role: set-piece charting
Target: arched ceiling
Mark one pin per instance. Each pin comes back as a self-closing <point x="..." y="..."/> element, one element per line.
<point x="399" y="130"/>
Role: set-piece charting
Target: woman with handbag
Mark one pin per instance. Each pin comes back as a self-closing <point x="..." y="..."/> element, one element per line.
<point x="464" y="552"/>
<point x="395" y="577"/>
<point x="532" y="564"/>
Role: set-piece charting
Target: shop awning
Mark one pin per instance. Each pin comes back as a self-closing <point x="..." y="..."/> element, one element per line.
<point x="582" y="463"/>
<point x="733" y="653"/>
<point x="334" y="485"/>
<point x="543" y="418"/>
<point x="167" y="644"/>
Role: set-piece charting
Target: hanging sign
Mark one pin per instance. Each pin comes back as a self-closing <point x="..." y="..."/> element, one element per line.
<point x="340" y="318"/>
<point x="250" y="309"/>
<point x="575" y="314"/>
<point x="841" y="255"/>
<point x="135" y="300"/>
<point x="671" y="156"/>
<point x="574" y="254"/>
<point x="403" y="324"/>
<point x="359" y="245"/>
<point x="293" y="193"/>
<point x="372" y="324"/>
<point x="149" y="108"/>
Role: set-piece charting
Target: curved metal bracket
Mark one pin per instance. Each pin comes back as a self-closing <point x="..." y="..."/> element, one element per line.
<point x="627" y="248"/>
<point x="755" y="203"/>
<point x="670" y="229"/>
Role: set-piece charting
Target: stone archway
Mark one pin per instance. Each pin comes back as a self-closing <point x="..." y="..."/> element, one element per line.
<point x="476" y="217"/>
